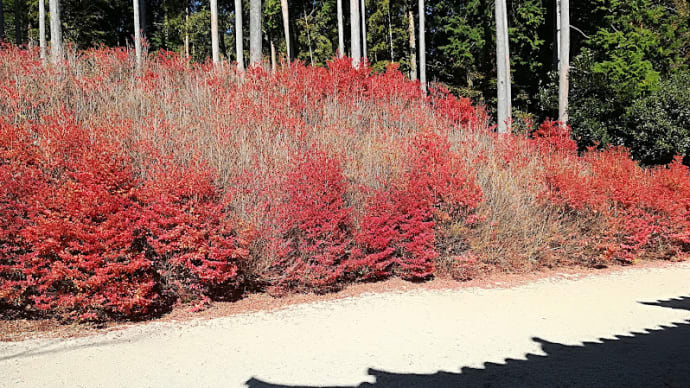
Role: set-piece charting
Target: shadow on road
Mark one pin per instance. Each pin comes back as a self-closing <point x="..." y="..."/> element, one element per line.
<point x="656" y="358"/>
<point x="682" y="303"/>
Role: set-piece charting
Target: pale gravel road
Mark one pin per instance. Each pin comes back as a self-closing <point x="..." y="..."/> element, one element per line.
<point x="530" y="335"/>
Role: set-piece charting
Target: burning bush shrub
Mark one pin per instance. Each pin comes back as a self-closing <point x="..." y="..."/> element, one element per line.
<point x="315" y="225"/>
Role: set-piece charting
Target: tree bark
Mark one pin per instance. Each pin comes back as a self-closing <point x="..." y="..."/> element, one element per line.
<point x="42" y="28"/>
<point x="564" y="63"/>
<point x="413" y="46"/>
<point x="255" y="41"/>
<point x="286" y="28"/>
<point x="390" y="32"/>
<point x="55" y="32"/>
<point x="137" y="32"/>
<point x="166" y="31"/>
<point x="557" y="34"/>
<point x="363" y="9"/>
<point x="422" y="46"/>
<point x="502" y="67"/>
<point x="186" y="30"/>
<point x="215" y="48"/>
<point x="239" y="42"/>
<point x="274" y="59"/>
<point x="355" y="33"/>
<point x="29" y="38"/>
<point x="509" y="75"/>
<point x="341" y="33"/>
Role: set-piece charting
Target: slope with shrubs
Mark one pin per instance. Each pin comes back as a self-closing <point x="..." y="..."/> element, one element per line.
<point x="123" y="192"/>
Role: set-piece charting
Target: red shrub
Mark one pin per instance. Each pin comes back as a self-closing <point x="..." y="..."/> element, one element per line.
<point x="645" y="211"/>
<point x="122" y="191"/>
<point x="552" y="136"/>
<point x="88" y="239"/>
<point x="185" y="222"/>
<point x="315" y="225"/>
<point x="458" y="110"/>
<point x="397" y="234"/>
<point x="79" y="253"/>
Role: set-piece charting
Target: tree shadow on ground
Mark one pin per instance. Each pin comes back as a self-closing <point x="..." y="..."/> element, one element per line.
<point x="656" y="358"/>
<point x="681" y="303"/>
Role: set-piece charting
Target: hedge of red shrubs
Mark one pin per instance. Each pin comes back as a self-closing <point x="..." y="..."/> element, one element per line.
<point x="98" y="223"/>
<point x="84" y="237"/>
<point x="645" y="212"/>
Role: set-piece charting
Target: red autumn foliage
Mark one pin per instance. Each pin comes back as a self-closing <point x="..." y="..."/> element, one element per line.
<point x="123" y="192"/>
<point x="644" y="211"/>
<point x="315" y="226"/>
<point x="398" y="231"/>
<point x="553" y="136"/>
<point x="88" y="239"/>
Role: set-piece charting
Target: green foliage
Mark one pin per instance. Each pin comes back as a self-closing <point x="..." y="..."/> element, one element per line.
<point x="595" y="107"/>
<point x="638" y="40"/>
<point x="635" y="44"/>
<point x="273" y="21"/>
<point x="388" y="19"/>
<point x="526" y="44"/>
<point x="317" y="32"/>
<point x="168" y="30"/>
<point x="660" y="122"/>
<point x="463" y="31"/>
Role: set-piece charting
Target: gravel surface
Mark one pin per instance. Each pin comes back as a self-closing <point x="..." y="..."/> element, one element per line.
<point x="629" y="328"/>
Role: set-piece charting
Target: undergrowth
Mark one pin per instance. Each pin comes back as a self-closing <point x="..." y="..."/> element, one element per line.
<point x="123" y="192"/>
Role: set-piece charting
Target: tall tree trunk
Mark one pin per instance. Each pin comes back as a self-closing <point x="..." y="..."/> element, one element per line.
<point x="363" y="10"/>
<point x="239" y="42"/>
<point x="255" y="41"/>
<point x="341" y="33"/>
<point x="355" y="33"/>
<point x="557" y="34"/>
<point x="55" y="31"/>
<point x="422" y="45"/>
<point x="509" y="75"/>
<point x="29" y="37"/>
<point x="215" y="49"/>
<point x="166" y="30"/>
<point x="564" y="63"/>
<point x="137" y="31"/>
<point x="186" y="30"/>
<point x="286" y="28"/>
<point x="502" y="67"/>
<point x="390" y="31"/>
<point x="274" y="59"/>
<point x="413" y="46"/>
<point x="18" y="19"/>
<point x="42" y="27"/>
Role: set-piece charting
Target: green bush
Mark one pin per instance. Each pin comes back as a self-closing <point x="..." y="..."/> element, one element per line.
<point x="659" y="124"/>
